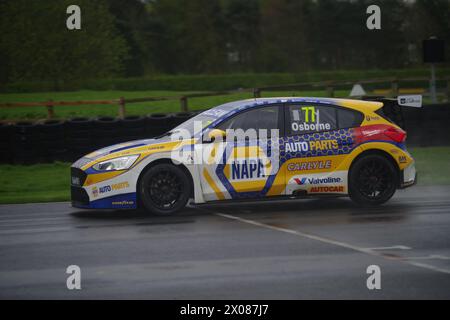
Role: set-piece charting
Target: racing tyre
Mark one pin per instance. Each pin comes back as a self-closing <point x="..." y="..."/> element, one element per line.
<point x="164" y="189"/>
<point x="372" y="180"/>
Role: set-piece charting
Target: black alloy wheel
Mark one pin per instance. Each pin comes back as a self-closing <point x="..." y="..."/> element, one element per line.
<point x="373" y="180"/>
<point x="164" y="189"/>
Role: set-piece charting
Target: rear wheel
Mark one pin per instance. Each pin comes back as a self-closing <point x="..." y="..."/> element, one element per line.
<point x="372" y="180"/>
<point x="164" y="189"/>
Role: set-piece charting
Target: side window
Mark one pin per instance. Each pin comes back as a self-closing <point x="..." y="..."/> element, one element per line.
<point x="260" y="118"/>
<point x="349" y="118"/>
<point x="303" y="119"/>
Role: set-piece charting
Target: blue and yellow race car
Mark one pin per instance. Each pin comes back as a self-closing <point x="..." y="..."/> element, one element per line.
<point x="251" y="149"/>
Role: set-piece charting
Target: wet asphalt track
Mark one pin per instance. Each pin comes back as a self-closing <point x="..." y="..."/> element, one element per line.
<point x="266" y="250"/>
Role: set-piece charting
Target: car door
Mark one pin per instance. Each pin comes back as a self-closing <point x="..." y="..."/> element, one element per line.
<point x="316" y="148"/>
<point x="248" y="158"/>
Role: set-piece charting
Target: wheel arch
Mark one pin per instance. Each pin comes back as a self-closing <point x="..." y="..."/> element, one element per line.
<point x="379" y="152"/>
<point x="162" y="161"/>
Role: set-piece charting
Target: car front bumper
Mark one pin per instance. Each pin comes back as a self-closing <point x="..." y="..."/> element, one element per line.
<point x="81" y="198"/>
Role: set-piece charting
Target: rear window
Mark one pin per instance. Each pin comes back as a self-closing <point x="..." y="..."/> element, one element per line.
<point x="381" y="113"/>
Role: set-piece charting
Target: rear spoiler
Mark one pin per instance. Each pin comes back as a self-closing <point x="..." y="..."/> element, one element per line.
<point x="393" y="107"/>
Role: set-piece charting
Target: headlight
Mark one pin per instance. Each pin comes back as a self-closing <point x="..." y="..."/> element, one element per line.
<point x="121" y="163"/>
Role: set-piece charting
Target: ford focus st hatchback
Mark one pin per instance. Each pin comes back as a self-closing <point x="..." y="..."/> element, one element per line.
<point x="252" y="149"/>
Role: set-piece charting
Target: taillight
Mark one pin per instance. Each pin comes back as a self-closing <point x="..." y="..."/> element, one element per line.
<point x="395" y="134"/>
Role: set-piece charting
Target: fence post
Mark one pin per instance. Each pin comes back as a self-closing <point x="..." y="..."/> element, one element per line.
<point x="122" y="107"/>
<point x="184" y="104"/>
<point x="394" y="87"/>
<point x="330" y="90"/>
<point x="256" y="93"/>
<point x="50" y="111"/>
<point x="448" y="90"/>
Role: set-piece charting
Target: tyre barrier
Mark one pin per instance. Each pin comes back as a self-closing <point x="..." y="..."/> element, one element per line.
<point x="27" y="142"/>
<point x="106" y="131"/>
<point x="5" y="143"/>
<point x="52" y="143"/>
<point x="78" y="137"/>
<point x="180" y="117"/>
<point x="157" y="124"/>
<point x="133" y="128"/>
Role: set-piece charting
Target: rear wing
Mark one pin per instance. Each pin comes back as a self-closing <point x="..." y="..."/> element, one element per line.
<point x="393" y="107"/>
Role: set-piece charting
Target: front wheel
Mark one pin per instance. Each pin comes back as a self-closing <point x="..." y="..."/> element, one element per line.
<point x="164" y="189"/>
<point x="372" y="180"/>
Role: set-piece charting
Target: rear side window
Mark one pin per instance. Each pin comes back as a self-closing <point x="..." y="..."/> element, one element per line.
<point x="349" y="118"/>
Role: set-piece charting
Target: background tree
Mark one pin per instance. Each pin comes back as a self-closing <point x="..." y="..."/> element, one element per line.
<point x="147" y="37"/>
<point x="38" y="46"/>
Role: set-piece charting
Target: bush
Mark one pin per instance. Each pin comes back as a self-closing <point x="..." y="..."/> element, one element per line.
<point x="215" y="82"/>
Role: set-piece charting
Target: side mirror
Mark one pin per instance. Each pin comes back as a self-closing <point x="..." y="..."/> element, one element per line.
<point x="216" y="134"/>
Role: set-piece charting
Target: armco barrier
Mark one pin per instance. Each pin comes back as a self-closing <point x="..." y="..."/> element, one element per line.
<point x="27" y="142"/>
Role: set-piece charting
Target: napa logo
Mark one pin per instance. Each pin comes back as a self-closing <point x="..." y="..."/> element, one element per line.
<point x="247" y="169"/>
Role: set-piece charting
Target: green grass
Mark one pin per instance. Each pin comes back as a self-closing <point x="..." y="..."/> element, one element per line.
<point x="143" y="108"/>
<point x="34" y="183"/>
<point x="50" y="182"/>
<point x="432" y="164"/>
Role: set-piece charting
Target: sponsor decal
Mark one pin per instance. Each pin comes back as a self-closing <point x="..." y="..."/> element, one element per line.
<point x="76" y="181"/>
<point x="123" y="203"/>
<point x="113" y="187"/>
<point x="402" y="159"/>
<point x="300" y="181"/>
<point x="105" y="189"/>
<point x="215" y="112"/>
<point x="318" y="145"/>
<point x="247" y="169"/>
<point x="410" y="101"/>
<point x="323" y="145"/>
<point x="311" y="120"/>
<point x="297" y="146"/>
<point x="155" y="147"/>
<point x="372" y="118"/>
<point x="317" y="180"/>
<point x="310" y="126"/>
<point x="327" y="189"/>
<point x="95" y="192"/>
<point x="309" y="165"/>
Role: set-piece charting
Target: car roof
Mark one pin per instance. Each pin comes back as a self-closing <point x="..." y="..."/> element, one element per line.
<point x="359" y="105"/>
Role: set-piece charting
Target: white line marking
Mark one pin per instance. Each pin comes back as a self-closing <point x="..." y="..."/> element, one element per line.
<point x="398" y="247"/>
<point x="430" y="257"/>
<point x="333" y="242"/>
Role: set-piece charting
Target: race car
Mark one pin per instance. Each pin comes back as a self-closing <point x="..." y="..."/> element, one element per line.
<point x="287" y="147"/>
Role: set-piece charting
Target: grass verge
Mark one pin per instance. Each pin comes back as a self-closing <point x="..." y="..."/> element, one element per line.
<point x="50" y="182"/>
